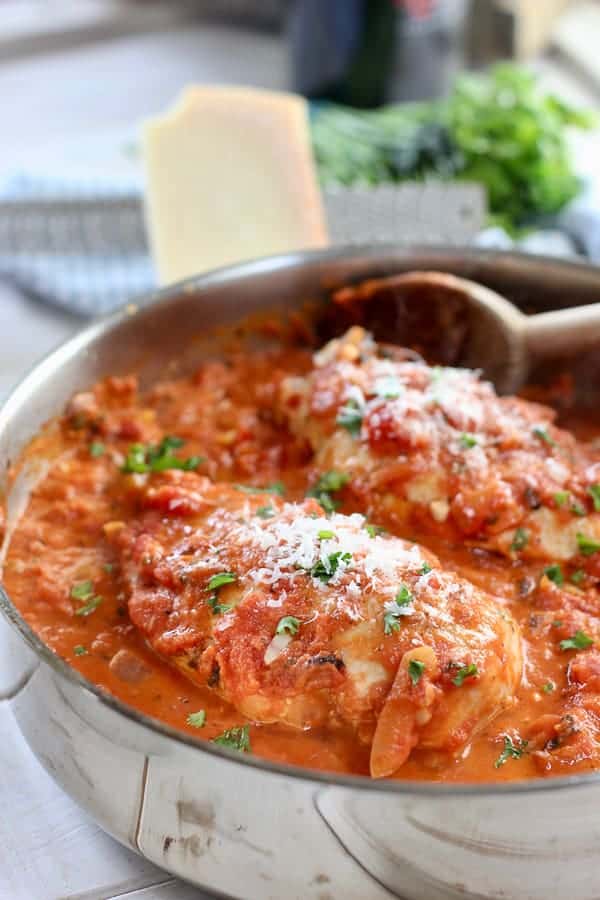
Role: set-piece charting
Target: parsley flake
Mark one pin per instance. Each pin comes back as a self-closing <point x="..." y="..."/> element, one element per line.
<point x="578" y="576"/>
<point x="594" y="492"/>
<point x="467" y="441"/>
<point x="142" y="458"/>
<point x="561" y="498"/>
<point x="80" y="650"/>
<point x="217" y="581"/>
<point x="324" y="569"/>
<point x="587" y="545"/>
<point x="350" y="417"/>
<point x="548" y="687"/>
<point x="82" y="590"/>
<point x="512" y="750"/>
<point x="425" y="569"/>
<point x="415" y="670"/>
<point x="326" y="535"/>
<point x="235" y="739"/>
<point x="329" y="483"/>
<point x="579" y="641"/>
<point x="278" y="487"/>
<point x="288" y="625"/>
<point x="465" y="672"/>
<point x="542" y="435"/>
<point x="555" y="574"/>
<point x="520" y="540"/>
<point x="89" y="607"/>
<point x="374" y="530"/>
<point x="265" y="512"/>
<point x="97" y="449"/>
<point x="396" y="609"/>
<point x="197" y="719"/>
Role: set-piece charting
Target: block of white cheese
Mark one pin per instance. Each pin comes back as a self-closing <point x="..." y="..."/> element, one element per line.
<point x="230" y="177"/>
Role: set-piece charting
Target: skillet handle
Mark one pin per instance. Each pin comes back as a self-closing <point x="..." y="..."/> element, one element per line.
<point x="562" y="331"/>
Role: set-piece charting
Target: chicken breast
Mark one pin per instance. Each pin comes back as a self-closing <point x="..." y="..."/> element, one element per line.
<point x="314" y="621"/>
<point x="437" y="449"/>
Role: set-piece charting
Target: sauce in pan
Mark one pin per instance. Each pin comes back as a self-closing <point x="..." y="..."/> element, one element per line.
<point x="65" y="571"/>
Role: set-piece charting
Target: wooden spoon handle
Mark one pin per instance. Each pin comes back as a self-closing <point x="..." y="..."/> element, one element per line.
<point x="563" y="331"/>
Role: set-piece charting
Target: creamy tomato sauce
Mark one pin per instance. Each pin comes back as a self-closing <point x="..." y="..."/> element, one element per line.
<point x="63" y="573"/>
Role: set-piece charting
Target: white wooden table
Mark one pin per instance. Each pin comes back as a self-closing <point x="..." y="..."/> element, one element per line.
<point x="49" y="848"/>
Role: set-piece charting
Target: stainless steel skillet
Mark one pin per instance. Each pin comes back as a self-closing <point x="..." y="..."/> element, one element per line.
<point x="240" y="826"/>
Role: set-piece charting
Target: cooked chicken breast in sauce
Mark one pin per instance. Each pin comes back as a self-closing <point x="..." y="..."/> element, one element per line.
<point x="437" y="448"/>
<point x="296" y="617"/>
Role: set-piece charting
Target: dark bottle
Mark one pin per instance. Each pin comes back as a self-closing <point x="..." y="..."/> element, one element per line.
<point x="368" y="52"/>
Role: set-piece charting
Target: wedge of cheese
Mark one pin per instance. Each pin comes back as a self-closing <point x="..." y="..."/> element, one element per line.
<point x="230" y="177"/>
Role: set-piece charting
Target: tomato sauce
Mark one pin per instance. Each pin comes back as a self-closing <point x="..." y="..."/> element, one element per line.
<point x="224" y="414"/>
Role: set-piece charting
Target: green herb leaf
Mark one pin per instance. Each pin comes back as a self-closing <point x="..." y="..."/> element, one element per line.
<point x="520" y="540"/>
<point x="415" y="670"/>
<point x="578" y="509"/>
<point x="89" y="607"/>
<point x="265" y="512"/>
<point x="373" y="530"/>
<point x="390" y="622"/>
<point x="467" y="441"/>
<point x="221" y="578"/>
<point x="197" y="719"/>
<point x="555" y="574"/>
<point x="548" y="687"/>
<point x="465" y="672"/>
<point x="216" y="607"/>
<point x="543" y="435"/>
<point x="80" y="650"/>
<point x="288" y="625"/>
<point x="326" y="535"/>
<point x="324" y="569"/>
<point x="278" y="487"/>
<point x="350" y="417"/>
<point x="82" y="590"/>
<point x="391" y="618"/>
<point x="329" y="483"/>
<point x="587" y="545"/>
<point x="594" y="492"/>
<point x="143" y="458"/>
<point x="425" y="569"/>
<point x="561" y="498"/>
<point x="97" y="449"/>
<point x="235" y="738"/>
<point x="403" y="597"/>
<point x="512" y="750"/>
<point x="578" y="576"/>
<point x="579" y="641"/>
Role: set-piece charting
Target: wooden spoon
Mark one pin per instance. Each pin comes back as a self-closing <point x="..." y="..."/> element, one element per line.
<point x="484" y="329"/>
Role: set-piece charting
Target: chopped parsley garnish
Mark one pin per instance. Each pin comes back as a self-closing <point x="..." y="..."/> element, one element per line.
<point x="542" y="435"/>
<point x="214" y="583"/>
<point x="265" y="512"/>
<point x="578" y="576"/>
<point x="96" y="449"/>
<point x="520" y="540"/>
<point x="197" y="719"/>
<point x="555" y="574"/>
<point x="594" y="492"/>
<point x="512" y="750"/>
<point x="578" y="509"/>
<point x="217" y="581"/>
<point x="587" y="545"/>
<point x="329" y="483"/>
<point x="324" y="569"/>
<point x="235" y="738"/>
<point x="548" y="687"/>
<point x="92" y="604"/>
<point x="467" y="441"/>
<point x="142" y="458"/>
<point x="350" y="417"/>
<point x="561" y="498"/>
<point x="465" y="672"/>
<point x="391" y="618"/>
<point x="278" y="487"/>
<point x="374" y="530"/>
<point x="108" y="567"/>
<point x="425" y="569"/>
<point x="326" y="535"/>
<point x="579" y="641"/>
<point x="415" y="670"/>
<point x="80" y="650"/>
<point x="288" y="625"/>
<point x="84" y="592"/>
